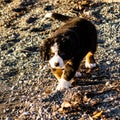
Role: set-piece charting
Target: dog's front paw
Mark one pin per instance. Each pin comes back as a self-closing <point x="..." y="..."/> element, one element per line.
<point x="63" y="84"/>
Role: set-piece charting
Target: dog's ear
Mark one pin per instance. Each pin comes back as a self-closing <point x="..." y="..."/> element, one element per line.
<point x="45" y="50"/>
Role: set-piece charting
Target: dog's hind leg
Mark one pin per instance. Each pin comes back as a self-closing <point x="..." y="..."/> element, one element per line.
<point x="89" y="60"/>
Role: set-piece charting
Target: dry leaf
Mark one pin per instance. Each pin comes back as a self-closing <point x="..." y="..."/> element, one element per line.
<point x="90" y="118"/>
<point x="47" y="92"/>
<point x="65" y="107"/>
<point x="69" y="107"/>
<point x="86" y="99"/>
<point x="61" y="110"/>
<point x="55" y="108"/>
<point x="97" y="114"/>
<point x="74" y="103"/>
<point x="65" y="104"/>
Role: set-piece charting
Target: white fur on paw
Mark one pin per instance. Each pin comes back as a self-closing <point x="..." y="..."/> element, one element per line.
<point x="63" y="84"/>
<point x="78" y="74"/>
<point x="90" y="65"/>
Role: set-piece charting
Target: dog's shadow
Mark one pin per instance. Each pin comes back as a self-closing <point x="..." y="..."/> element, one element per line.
<point x="93" y="76"/>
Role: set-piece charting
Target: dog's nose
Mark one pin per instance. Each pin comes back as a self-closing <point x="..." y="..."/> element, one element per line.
<point x="56" y="64"/>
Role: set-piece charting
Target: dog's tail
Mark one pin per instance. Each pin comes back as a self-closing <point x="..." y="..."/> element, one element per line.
<point x="57" y="16"/>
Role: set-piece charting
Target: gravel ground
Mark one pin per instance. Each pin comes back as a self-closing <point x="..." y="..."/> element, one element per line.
<point x="27" y="87"/>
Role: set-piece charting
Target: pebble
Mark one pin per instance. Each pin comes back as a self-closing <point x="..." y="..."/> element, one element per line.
<point x="26" y="113"/>
<point x="14" y="87"/>
<point x="8" y="118"/>
<point x="108" y="62"/>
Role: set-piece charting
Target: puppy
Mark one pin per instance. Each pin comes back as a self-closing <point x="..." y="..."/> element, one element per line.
<point x="66" y="48"/>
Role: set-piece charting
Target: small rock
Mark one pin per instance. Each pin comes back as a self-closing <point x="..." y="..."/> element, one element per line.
<point x="8" y="118"/>
<point x="108" y="62"/>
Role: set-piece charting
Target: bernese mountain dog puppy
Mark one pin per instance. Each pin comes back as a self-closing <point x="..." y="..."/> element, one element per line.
<point x="66" y="48"/>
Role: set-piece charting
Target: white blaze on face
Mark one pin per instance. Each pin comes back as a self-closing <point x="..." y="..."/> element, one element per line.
<point x="56" y="59"/>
